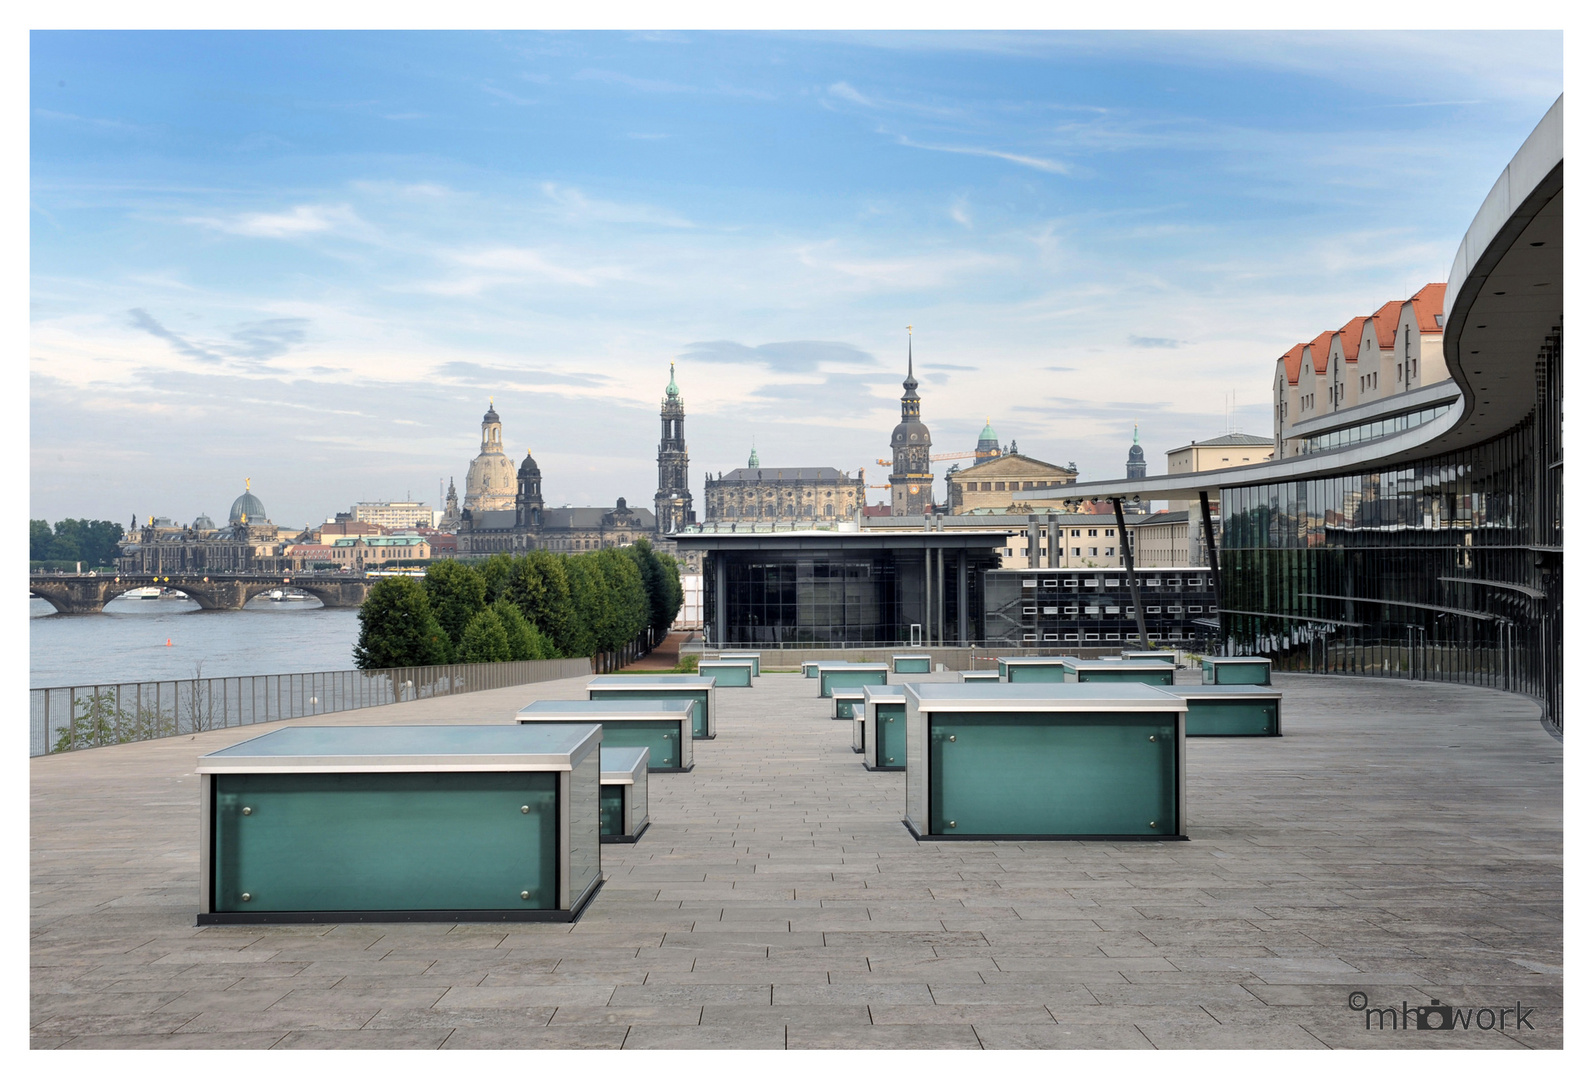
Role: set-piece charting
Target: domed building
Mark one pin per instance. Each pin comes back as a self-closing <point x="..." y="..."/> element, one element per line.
<point x="246" y="509"/>
<point x="504" y="508"/>
<point x="988" y="445"/>
<point x="490" y="482"/>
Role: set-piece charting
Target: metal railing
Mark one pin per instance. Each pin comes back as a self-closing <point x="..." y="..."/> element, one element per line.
<point x="62" y="718"/>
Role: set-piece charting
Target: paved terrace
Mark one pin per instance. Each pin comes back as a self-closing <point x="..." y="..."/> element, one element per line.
<point x="1402" y="840"/>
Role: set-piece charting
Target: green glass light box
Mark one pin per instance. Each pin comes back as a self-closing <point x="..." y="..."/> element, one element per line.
<point x="1149" y="672"/>
<point x="1058" y="761"/>
<point x="624" y="795"/>
<point x="979" y="676"/>
<point x="1026" y="669"/>
<point x="912" y="663"/>
<point x="756" y="658"/>
<point x="663" y="726"/>
<point x="1236" y="671"/>
<point x="848" y="702"/>
<point x="884" y="738"/>
<point x="832" y="675"/>
<point x="1236" y="711"/>
<point x="731" y="673"/>
<point x="1162" y="655"/>
<point x="395" y="824"/>
<point x="696" y="688"/>
<point x="810" y="669"/>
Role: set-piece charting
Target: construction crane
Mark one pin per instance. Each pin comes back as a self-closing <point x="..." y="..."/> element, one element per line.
<point x="861" y="476"/>
<point x="935" y="457"/>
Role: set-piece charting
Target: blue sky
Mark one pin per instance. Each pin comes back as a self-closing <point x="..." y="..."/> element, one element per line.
<point x="309" y="258"/>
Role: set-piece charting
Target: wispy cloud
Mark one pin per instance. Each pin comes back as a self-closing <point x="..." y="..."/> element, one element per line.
<point x="487" y="375"/>
<point x="1153" y="342"/>
<point x="143" y="320"/>
<point x="299" y="221"/>
<point x="784" y="356"/>
<point x="578" y="206"/>
<point x="1061" y="168"/>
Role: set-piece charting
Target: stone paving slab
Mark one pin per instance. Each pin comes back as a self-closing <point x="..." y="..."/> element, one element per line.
<point x="1402" y="841"/>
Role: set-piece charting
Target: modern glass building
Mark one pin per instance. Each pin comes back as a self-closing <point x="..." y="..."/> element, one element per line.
<point x="832" y="589"/>
<point x="1430" y="545"/>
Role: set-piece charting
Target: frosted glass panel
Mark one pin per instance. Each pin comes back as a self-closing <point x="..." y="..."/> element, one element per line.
<point x="612" y="809"/>
<point x="1231" y="717"/>
<point x="385" y="841"/>
<point x="1079" y="774"/>
<point x="892" y="748"/>
<point x="698" y="699"/>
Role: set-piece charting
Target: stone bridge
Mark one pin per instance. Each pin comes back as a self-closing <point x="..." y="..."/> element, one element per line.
<point x="86" y="594"/>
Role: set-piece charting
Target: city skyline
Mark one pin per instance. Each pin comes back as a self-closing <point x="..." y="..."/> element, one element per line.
<point x="317" y="255"/>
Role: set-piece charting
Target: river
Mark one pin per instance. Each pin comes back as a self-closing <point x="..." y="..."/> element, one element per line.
<point x="150" y="640"/>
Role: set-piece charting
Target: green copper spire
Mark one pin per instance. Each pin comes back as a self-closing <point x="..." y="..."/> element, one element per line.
<point x="672" y="390"/>
<point x="752" y="459"/>
<point x="988" y="433"/>
<point x="1136" y="433"/>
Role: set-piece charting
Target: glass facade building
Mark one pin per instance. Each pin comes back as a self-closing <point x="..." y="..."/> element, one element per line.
<point x="1095" y="608"/>
<point x="1447" y="568"/>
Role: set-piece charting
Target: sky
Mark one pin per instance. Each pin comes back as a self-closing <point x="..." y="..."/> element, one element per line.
<point x="310" y="258"/>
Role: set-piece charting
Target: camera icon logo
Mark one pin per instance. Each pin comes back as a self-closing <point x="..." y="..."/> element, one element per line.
<point x="1435" y="1017"/>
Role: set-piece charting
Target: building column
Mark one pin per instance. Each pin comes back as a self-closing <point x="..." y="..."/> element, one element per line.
<point x="1128" y="568"/>
<point x="1054" y="539"/>
<point x="940" y="596"/>
<point x="719" y="599"/>
<point x="1211" y="553"/>
<point x="1034" y="543"/>
<point x="962" y="598"/>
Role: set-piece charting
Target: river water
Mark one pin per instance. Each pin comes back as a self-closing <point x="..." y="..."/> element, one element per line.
<point x="150" y="640"/>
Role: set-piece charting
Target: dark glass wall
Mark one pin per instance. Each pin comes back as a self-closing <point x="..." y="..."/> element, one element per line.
<point x="831" y="599"/>
<point x="1446" y="569"/>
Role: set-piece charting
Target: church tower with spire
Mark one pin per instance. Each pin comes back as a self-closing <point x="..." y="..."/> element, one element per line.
<point x="672" y="503"/>
<point x="911" y="480"/>
<point x="1136" y="471"/>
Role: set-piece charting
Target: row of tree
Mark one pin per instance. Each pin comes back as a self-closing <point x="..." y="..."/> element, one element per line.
<point x="537" y="606"/>
<point x="93" y="543"/>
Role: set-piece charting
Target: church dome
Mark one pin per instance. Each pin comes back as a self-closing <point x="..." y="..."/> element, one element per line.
<point x="246" y="508"/>
<point x="988" y="434"/>
<point x="1135" y="453"/>
<point x="202" y="523"/>
<point x="528" y="467"/>
<point x="491" y="415"/>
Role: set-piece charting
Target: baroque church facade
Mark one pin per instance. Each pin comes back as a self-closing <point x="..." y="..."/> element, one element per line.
<point x="504" y="509"/>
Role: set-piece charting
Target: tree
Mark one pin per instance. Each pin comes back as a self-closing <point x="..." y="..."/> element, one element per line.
<point x="540" y="588"/>
<point x="495" y="572"/>
<point x="398" y="629"/>
<point x="95" y="543"/>
<point x="661" y="579"/>
<point x="39" y="537"/>
<point x="485" y="641"/>
<point x="526" y="642"/>
<point x="674" y="593"/>
<point x="457" y="593"/>
<point x="588" y="605"/>
<point x="626" y="612"/>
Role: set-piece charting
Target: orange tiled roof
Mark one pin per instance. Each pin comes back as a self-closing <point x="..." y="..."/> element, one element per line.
<point x="1385" y="320"/>
<point x="1428" y="303"/>
<point x="1350" y="338"/>
<point x="1319" y="351"/>
<point x="1291" y="363"/>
